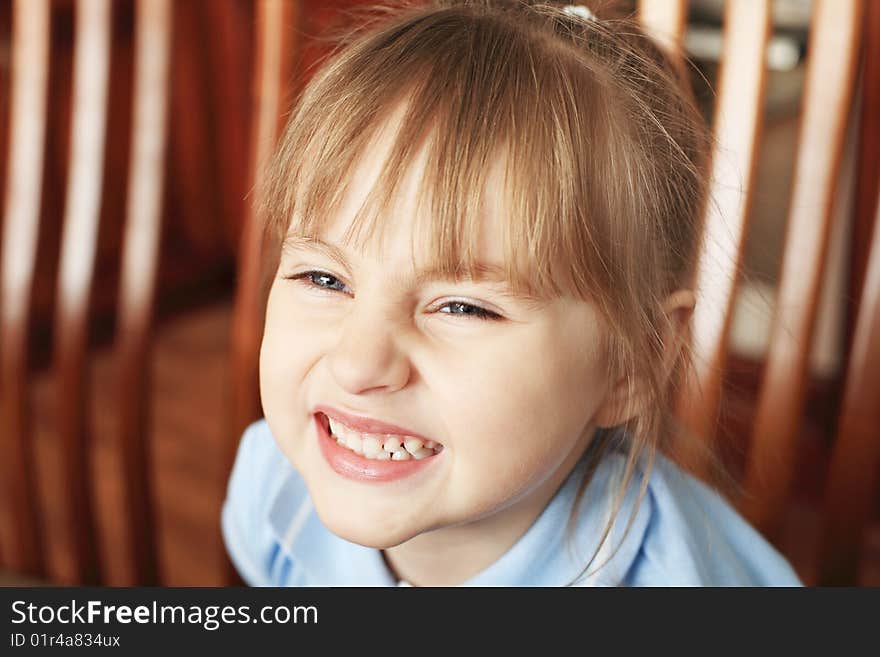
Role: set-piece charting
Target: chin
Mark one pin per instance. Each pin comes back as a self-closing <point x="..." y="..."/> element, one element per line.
<point x="363" y="528"/>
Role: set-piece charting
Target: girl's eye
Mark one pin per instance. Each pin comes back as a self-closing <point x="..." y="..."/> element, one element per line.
<point x="324" y="281"/>
<point x="468" y="310"/>
<point x="319" y="279"/>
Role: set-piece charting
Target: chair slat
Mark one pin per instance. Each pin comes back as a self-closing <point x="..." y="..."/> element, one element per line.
<point x="664" y="20"/>
<point x="138" y="279"/>
<point x="75" y="276"/>
<point x="19" y="528"/>
<point x="852" y="481"/>
<point x="737" y="126"/>
<point x="867" y="182"/>
<point x="231" y="71"/>
<point x="193" y="159"/>
<point x="275" y="47"/>
<point x="833" y="49"/>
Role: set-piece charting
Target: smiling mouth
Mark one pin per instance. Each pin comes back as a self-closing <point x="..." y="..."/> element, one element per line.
<point x="379" y="446"/>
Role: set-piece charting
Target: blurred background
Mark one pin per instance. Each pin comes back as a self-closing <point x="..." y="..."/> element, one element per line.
<point x="208" y="173"/>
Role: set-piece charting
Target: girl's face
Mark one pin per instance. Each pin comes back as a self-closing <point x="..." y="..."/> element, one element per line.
<point x="509" y="387"/>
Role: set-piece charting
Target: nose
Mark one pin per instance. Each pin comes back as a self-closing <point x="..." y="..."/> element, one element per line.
<point x="367" y="356"/>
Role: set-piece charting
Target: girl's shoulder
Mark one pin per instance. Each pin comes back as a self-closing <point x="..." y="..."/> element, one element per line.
<point x="695" y="537"/>
<point x="259" y="453"/>
<point x="259" y="470"/>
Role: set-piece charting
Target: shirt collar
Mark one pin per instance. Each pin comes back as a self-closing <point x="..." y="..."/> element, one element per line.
<point x="541" y="557"/>
<point x="327" y="559"/>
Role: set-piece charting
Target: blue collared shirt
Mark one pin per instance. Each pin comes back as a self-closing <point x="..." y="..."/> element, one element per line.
<point x="682" y="534"/>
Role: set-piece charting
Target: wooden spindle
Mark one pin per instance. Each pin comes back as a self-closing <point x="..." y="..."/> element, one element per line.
<point x="831" y="69"/>
<point x="138" y="281"/>
<point x="19" y="525"/>
<point x="76" y="272"/>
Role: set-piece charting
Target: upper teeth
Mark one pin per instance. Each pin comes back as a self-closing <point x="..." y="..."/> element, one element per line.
<point x="382" y="446"/>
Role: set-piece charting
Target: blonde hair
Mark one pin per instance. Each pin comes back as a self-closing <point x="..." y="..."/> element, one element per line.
<point x="604" y="152"/>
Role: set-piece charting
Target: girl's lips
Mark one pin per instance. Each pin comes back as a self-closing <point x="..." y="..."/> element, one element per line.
<point x="348" y="464"/>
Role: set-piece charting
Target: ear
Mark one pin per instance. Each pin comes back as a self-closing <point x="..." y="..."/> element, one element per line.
<point x="626" y="400"/>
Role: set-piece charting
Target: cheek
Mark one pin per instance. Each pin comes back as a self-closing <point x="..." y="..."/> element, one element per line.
<point x="524" y="414"/>
<point x="292" y="330"/>
<point x="286" y="358"/>
<point x="284" y="353"/>
<point x="531" y="384"/>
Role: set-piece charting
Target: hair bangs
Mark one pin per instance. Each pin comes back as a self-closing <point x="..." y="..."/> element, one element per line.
<point x="504" y="110"/>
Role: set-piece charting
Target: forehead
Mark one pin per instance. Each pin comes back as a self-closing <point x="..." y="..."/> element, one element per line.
<point x="406" y="227"/>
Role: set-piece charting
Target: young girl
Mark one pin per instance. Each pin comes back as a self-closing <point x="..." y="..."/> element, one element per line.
<point x="487" y="214"/>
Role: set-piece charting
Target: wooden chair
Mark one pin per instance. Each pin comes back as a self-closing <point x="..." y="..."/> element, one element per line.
<point x="129" y="363"/>
<point x="22" y="547"/>
<point x="834" y="47"/>
<point x="851" y="500"/>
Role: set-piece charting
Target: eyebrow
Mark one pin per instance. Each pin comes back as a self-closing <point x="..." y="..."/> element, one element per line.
<point x="482" y="271"/>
